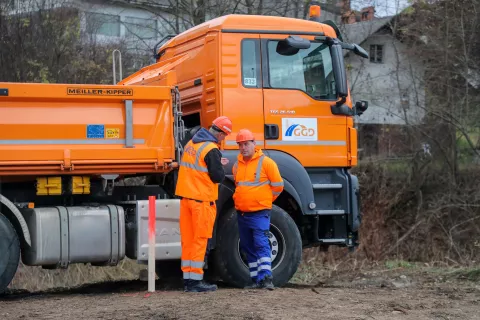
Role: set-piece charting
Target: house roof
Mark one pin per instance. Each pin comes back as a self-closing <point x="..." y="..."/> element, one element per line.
<point x="359" y="32"/>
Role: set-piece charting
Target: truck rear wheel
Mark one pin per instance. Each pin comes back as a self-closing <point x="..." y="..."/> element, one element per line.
<point x="285" y="244"/>
<point x="9" y="252"/>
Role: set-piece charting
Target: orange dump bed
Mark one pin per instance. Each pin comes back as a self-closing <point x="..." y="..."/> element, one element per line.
<point x="88" y="129"/>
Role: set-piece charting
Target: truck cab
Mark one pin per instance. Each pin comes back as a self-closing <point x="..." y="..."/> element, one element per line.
<point x="288" y="86"/>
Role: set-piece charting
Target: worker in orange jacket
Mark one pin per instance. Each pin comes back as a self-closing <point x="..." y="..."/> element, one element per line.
<point x="258" y="183"/>
<point x="201" y="170"/>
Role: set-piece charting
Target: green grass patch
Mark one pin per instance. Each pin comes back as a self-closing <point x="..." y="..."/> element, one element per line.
<point x="393" y="264"/>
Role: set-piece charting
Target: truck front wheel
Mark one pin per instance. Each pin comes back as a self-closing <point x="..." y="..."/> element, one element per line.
<point x="9" y="252"/>
<point x="285" y="245"/>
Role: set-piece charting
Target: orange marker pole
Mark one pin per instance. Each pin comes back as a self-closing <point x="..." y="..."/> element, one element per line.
<point x="151" y="244"/>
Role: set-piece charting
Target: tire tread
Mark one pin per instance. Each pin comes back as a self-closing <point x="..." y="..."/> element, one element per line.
<point x="14" y="262"/>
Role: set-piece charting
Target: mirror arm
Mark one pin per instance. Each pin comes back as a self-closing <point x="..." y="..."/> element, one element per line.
<point x="341" y="101"/>
<point x="347" y="46"/>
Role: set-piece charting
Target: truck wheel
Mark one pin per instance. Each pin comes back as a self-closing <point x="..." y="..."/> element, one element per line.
<point x="9" y="252"/>
<point x="285" y="243"/>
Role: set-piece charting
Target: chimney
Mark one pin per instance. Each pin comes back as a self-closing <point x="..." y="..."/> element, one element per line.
<point x="367" y="13"/>
<point x="349" y="17"/>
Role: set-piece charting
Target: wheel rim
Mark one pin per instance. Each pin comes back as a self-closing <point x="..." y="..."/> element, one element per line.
<point x="277" y="247"/>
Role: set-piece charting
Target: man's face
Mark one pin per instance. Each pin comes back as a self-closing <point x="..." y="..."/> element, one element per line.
<point x="247" y="148"/>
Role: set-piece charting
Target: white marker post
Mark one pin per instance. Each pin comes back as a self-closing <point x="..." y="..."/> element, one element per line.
<point x="151" y="243"/>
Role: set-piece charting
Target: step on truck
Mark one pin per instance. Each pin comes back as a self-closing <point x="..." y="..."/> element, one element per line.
<point x="67" y="150"/>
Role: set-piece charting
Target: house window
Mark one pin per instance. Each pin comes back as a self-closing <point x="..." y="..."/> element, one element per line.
<point x="104" y="24"/>
<point x="376" y="53"/>
<point x="140" y="28"/>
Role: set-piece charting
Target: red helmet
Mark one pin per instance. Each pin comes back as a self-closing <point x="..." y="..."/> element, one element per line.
<point x="245" y="135"/>
<point x="223" y="123"/>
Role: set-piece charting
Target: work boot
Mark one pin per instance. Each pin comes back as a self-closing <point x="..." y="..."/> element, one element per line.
<point x="186" y="283"/>
<point x="200" y="286"/>
<point x="267" y="283"/>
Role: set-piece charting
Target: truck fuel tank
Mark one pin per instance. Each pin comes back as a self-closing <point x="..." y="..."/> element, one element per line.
<point x="65" y="235"/>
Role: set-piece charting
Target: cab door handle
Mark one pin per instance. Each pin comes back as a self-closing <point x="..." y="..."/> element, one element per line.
<point x="271" y="131"/>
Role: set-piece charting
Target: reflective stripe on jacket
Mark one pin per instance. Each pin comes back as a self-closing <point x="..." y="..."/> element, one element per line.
<point x="258" y="182"/>
<point x="193" y="179"/>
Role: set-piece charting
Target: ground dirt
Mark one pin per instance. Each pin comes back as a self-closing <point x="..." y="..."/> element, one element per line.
<point x="379" y="293"/>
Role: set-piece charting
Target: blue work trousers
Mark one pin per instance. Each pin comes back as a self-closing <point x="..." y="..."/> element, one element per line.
<point x="254" y="231"/>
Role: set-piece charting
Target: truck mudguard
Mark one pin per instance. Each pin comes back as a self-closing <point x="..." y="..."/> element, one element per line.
<point x="23" y="224"/>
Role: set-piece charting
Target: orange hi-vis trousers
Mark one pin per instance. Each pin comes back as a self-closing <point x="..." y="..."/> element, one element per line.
<point x="196" y="226"/>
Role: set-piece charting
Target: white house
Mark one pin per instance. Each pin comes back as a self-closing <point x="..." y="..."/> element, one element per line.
<point x="391" y="80"/>
<point x="133" y="22"/>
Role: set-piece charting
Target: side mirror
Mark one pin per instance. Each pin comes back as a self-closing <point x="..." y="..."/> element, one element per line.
<point x="360" y="51"/>
<point x="361" y="107"/>
<point x="291" y="45"/>
<point x="338" y="66"/>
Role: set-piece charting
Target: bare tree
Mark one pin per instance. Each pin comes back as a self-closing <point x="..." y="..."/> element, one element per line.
<point x="44" y="42"/>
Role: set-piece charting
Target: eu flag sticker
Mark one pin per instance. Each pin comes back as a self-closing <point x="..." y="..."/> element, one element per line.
<point x="95" y="131"/>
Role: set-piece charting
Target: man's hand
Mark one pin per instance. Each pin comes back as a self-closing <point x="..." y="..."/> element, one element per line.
<point x="224" y="161"/>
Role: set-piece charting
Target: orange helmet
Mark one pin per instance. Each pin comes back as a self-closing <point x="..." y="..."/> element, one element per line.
<point x="223" y="123"/>
<point x="245" y="135"/>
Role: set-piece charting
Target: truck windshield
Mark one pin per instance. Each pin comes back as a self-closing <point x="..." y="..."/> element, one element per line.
<point x="309" y="70"/>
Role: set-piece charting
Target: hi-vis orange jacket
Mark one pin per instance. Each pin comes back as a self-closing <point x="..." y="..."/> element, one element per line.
<point x="194" y="181"/>
<point x="258" y="183"/>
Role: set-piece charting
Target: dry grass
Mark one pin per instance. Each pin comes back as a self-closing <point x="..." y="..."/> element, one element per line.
<point x="37" y="279"/>
<point x="316" y="267"/>
<point x="319" y="268"/>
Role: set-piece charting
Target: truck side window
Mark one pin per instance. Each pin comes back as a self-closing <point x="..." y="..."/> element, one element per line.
<point x="251" y="71"/>
<point x="309" y="70"/>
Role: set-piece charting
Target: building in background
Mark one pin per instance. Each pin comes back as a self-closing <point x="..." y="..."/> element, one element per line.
<point x="391" y="80"/>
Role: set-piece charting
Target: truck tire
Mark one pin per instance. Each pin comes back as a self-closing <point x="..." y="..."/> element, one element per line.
<point x="285" y="242"/>
<point x="9" y="252"/>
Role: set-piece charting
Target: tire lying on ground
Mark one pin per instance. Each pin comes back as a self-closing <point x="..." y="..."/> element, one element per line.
<point x="285" y="244"/>
<point x="9" y="252"/>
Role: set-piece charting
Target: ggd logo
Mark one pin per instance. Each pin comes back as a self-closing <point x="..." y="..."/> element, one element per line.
<point x="299" y="130"/>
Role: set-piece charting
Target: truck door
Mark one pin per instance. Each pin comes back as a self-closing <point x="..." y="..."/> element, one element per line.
<point x="242" y="85"/>
<point x="298" y="90"/>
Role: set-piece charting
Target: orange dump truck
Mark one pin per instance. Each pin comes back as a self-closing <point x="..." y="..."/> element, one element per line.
<point x="65" y="150"/>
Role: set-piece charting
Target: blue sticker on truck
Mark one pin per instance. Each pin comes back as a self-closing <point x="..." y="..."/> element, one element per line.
<point x="95" y="131"/>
